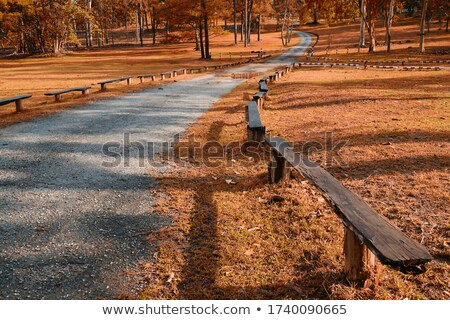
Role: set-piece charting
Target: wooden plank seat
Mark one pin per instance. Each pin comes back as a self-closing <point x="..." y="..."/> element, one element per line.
<point x="192" y="70"/>
<point x="259" y="99"/>
<point x="17" y="99"/>
<point x="181" y="71"/>
<point x="164" y="75"/>
<point x="273" y="77"/>
<point x="58" y="94"/>
<point x="145" y="76"/>
<point x="106" y="82"/>
<point x="365" y="229"/>
<point x="255" y="130"/>
<point x="263" y="87"/>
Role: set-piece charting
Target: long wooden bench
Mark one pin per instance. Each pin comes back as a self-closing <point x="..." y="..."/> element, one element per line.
<point x="145" y="76"/>
<point x="165" y="74"/>
<point x="263" y="87"/>
<point x="104" y="83"/>
<point x="255" y="130"/>
<point x="259" y="99"/>
<point x="17" y="99"/>
<point x="180" y="71"/>
<point x="58" y="94"/>
<point x="366" y="231"/>
<point x="192" y="70"/>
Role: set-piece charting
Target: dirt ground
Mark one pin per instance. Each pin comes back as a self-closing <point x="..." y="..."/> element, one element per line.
<point x="236" y="237"/>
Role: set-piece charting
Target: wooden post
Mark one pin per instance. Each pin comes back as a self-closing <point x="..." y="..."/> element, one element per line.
<point x="278" y="168"/>
<point x="360" y="262"/>
<point x="19" y="105"/>
<point x="129" y="81"/>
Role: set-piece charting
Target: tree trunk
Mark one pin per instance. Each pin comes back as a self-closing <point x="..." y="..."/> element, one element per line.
<point x="88" y="24"/>
<point x="422" y="26"/>
<point x="153" y="21"/>
<point x="372" y="36"/>
<point x="137" y="25"/>
<point x="389" y="18"/>
<point x="283" y="25"/>
<point x="141" y="25"/>
<point x="315" y="14"/>
<point x="249" y="21"/>
<point x="197" y="43"/>
<point x="146" y="20"/>
<point x="235" y="22"/>
<point x="259" y="27"/>
<point x="246" y="23"/>
<point x="207" y="53"/>
<point x="242" y="26"/>
<point x="362" y="8"/>
<point x="202" y="46"/>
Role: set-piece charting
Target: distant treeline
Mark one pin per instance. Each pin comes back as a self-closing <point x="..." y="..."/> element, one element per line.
<point x="48" y="26"/>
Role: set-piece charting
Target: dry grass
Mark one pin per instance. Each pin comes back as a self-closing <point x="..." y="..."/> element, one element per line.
<point x="405" y="41"/>
<point x="238" y="241"/>
<point x="39" y="75"/>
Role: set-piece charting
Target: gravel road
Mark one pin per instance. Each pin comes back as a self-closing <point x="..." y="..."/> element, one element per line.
<point x="73" y="228"/>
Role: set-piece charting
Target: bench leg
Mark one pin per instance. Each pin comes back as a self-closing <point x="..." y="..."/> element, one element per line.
<point x="103" y="87"/>
<point x="19" y="105"/>
<point x="57" y="97"/>
<point x="142" y="79"/>
<point x="360" y="262"/>
<point x="129" y="81"/>
<point x="85" y="92"/>
<point x="163" y="77"/>
<point x="278" y="169"/>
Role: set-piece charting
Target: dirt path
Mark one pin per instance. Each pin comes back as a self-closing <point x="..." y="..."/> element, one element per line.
<point x="72" y="227"/>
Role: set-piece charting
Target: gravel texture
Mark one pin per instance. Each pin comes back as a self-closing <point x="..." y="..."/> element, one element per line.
<point x="73" y="227"/>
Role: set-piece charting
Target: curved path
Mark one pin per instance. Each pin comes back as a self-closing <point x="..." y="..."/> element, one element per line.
<point x="72" y="227"/>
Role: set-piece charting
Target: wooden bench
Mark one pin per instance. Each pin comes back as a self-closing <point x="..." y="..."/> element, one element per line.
<point x="151" y="76"/>
<point x="164" y="74"/>
<point x="259" y="99"/>
<point x="192" y="70"/>
<point x="366" y="231"/>
<point x="17" y="100"/>
<point x="273" y="77"/>
<point x="104" y="83"/>
<point x="180" y="71"/>
<point x="265" y="79"/>
<point x="255" y="130"/>
<point x="263" y="87"/>
<point x="58" y="94"/>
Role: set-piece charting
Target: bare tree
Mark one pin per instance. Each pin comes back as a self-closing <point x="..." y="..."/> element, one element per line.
<point x="389" y="18"/>
<point x="422" y="25"/>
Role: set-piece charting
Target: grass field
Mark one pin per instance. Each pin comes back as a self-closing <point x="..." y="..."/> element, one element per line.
<point x="234" y="241"/>
<point x="236" y="237"/>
